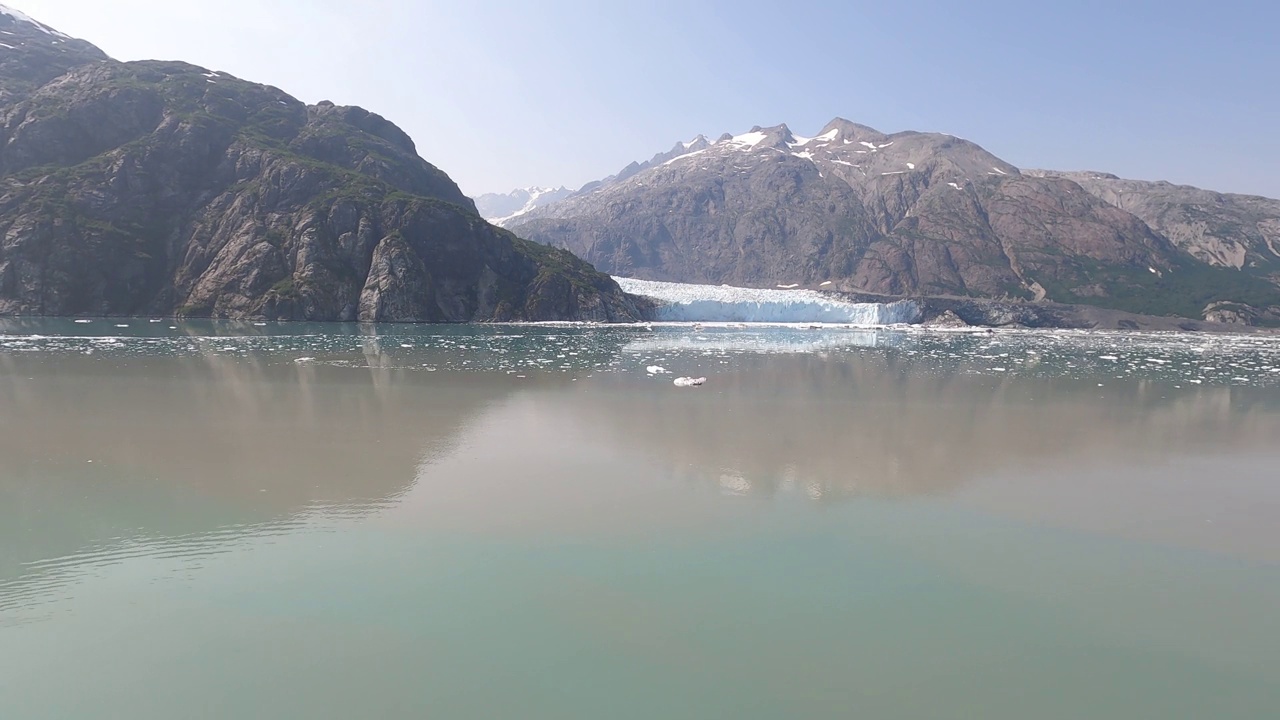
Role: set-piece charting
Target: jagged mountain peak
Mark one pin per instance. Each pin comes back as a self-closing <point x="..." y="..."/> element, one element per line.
<point x="846" y="130"/>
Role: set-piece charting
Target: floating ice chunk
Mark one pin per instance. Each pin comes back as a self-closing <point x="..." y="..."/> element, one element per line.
<point x="657" y="370"/>
<point x="789" y="287"/>
<point x="689" y="381"/>
<point x="305" y="360"/>
<point x="84" y="321"/>
<point x="734" y="484"/>
<point x="824" y="283"/>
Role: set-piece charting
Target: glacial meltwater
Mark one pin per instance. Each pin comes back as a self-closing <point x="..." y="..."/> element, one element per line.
<point x="226" y="520"/>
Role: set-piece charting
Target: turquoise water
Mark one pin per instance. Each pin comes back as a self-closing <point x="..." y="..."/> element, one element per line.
<point x="221" y="520"/>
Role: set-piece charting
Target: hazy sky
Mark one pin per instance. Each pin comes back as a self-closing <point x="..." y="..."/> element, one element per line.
<point x="507" y="94"/>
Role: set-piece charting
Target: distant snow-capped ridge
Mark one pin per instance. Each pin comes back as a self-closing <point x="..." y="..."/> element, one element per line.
<point x="842" y="149"/>
<point x="685" y="302"/>
<point x="499" y="208"/>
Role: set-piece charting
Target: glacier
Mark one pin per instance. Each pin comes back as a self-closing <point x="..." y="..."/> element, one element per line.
<point x="683" y="302"/>
<point x="773" y="341"/>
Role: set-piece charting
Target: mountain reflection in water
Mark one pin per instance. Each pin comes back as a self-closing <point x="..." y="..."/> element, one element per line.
<point x="459" y="509"/>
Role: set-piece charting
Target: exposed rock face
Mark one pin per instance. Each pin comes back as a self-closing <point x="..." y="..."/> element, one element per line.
<point x="903" y="214"/>
<point x="1240" y="314"/>
<point x="162" y="188"/>
<point x="947" y="319"/>
<point x="1223" y="229"/>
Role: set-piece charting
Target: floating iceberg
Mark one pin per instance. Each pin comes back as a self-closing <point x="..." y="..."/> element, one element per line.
<point x="681" y="302"/>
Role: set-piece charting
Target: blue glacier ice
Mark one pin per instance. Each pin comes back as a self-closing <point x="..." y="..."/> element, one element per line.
<point x="681" y="302"/>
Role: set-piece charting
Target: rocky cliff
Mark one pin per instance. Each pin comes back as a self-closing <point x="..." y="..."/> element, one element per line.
<point x="165" y="188"/>
<point x="1221" y="229"/>
<point x="903" y="214"/>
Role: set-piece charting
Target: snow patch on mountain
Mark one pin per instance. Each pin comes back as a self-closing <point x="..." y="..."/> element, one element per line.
<point x="682" y="302"/>
<point x="750" y="139"/>
<point x="685" y="156"/>
<point x="22" y="17"/>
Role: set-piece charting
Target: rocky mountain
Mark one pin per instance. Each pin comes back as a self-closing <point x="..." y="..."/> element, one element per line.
<point x="164" y="188"/>
<point x="1222" y="229"/>
<point x="913" y="213"/>
<point x="502" y="208"/>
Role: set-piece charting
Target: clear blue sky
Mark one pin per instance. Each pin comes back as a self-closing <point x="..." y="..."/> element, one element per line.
<point x="502" y="94"/>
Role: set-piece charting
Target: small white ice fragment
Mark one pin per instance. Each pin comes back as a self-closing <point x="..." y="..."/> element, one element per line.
<point x="305" y="360"/>
<point x="789" y="287"/>
<point x="734" y="484"/>
<point x="84" y="321"/>
<point x="824" y="284"/>
<point x="689" y="381"/>
<point x="656" y="370"/>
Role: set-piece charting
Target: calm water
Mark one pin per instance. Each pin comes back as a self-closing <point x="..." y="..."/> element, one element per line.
<point x="326" y="521"/>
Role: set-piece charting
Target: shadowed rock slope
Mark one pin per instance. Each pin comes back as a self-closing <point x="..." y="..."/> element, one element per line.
<point x="164" y="188"/>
